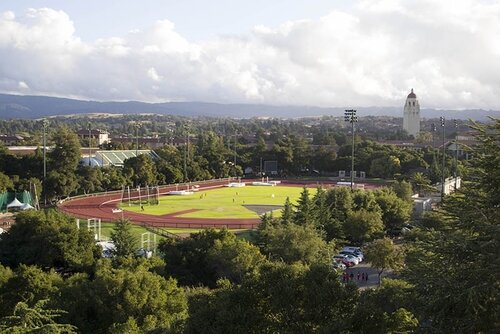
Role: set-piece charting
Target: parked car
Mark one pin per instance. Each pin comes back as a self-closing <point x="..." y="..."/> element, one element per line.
<point x="344" y="260"/>
<point x="351" y="258"/>
<point x="359" y="256"/>
<point x="339" y="265"/>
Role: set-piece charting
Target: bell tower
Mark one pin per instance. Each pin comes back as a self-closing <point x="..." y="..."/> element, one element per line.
<point x="411" y="115"/>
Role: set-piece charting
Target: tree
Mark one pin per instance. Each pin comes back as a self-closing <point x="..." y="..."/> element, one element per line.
<point x="141" y="170"/>
<point x="6" y="183"/>
<point x="384" y="254"/>
<point x="208" y="256"/>
<point x="304" y="214"/>
<point x="421" y="183"/>
<point x="232" y="259"/>
<point x="29" y="285"/>
<point x="61" y="184"/>
<point x="65" y="155"/>
<point x="89" y="179"/>
<point x="280" y="299"/>
<point x="386" y="309"/>
<point x="294" y="243"/>
<point x="36" y="319"/>
<point x="287" y="212"/>
<point x="461" y="249"/>
<point x="385" y="167"/>
<point x="124" y="240"/>
<point x="403" y="190"/>
<point x="395" y="211"/>
<point x="112" y="178"/>
<point x="339" y="199"/>
<point x="114" y="295"/>
<point x="363" y="225"/>
<point x="47" y="239"/>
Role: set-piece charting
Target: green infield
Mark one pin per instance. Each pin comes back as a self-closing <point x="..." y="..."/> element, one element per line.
<point x="227" y="202"/>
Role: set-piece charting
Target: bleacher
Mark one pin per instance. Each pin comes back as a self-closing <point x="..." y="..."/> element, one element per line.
<point x="117" y="158"/>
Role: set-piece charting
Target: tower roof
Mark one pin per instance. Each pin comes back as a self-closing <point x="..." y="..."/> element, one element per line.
<point x="412" y="94"/>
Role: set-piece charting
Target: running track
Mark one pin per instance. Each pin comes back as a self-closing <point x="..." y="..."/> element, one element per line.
<point x="101" y="206"/>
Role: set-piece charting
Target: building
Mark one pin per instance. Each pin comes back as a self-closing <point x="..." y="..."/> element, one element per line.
<point x="99" y="137"/>
<point x="411" y="115"/>
<point x="10" y="140"/>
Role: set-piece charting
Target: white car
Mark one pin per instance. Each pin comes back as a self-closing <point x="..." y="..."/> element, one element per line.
<point x="358" y="256"/>
<point x="351" y="258"/>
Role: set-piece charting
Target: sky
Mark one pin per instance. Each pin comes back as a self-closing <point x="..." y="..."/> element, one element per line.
<point x="346" y="53"/>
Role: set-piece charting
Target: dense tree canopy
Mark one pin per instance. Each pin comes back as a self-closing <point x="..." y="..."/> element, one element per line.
<point x="47" y="239"/>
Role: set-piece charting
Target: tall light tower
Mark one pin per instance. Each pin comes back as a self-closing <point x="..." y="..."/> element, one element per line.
<point x="433" y="130"/>
<point x="90" y="143"/>
<point x="45" y="123"/>
<point x="235" y="142"/>
<point x="456" y="152"/>
<point x="186" y="152"/>
<point x="137" y="125"/>
<point x="442" y="119"/>
<point x="350" y="116"/>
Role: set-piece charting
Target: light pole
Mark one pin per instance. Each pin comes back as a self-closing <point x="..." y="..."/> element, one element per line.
<point x="137" y="125"/>
<point x="456" y="152"/>
<point x="186" y="153"/>
<point x="45" y="123"/>
<point x="350" y="116"/>
<point x="90" y="143"/>
<point x="235" y="142"/>
<point x="433" y="130"/>
<point x="442" y="119"/>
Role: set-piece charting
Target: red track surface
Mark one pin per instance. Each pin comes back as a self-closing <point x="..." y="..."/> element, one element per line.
<point x="102" y="205"/>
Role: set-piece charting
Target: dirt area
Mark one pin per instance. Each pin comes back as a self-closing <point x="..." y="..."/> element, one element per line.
<point x="261" y="209"/>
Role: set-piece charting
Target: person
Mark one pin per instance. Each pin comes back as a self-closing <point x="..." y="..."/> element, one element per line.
<point x="351" y="276"/>
<point x="362" y="276"/>
<point x="366" y="277"/>
<point x="358" y="276"/>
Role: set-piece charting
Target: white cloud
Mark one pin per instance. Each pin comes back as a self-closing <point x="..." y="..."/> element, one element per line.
<point x="447" y="51"/>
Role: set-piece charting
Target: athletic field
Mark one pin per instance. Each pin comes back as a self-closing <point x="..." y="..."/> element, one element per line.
<point x="226" y="202"/>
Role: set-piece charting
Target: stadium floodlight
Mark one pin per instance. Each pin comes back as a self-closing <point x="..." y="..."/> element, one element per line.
<point x="443" y="123"/>
<point x="433" y="130"/>
<point x="45" y="123"/>
<point x="456" y="152"/>
<point x="350" y="116"/>
<point x="90" y="142"/>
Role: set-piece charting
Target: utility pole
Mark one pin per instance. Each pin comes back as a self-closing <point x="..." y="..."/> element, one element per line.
<point x="186" y="153"/>
<point x="433" y="130"/>
<point x="443" y="176"/>
<point x="235" y="142"/>
<point x="137" y="139"/>
<point x="90" y="142"/>
<point x="350" y="116"/>
<point x="456" y="152"/>
<point x="45" y="123"/>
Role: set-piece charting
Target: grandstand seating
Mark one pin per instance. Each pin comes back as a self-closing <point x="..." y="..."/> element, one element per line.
<point x="117" y="158"/>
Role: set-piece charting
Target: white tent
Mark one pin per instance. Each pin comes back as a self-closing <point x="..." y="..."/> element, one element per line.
<point x="26" y="206"/>
<point x="14" y="204"/>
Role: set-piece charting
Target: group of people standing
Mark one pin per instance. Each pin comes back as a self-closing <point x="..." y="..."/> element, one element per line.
<point x="360" y="276"/>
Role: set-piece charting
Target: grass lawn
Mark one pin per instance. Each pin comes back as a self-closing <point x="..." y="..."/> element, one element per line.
<point x="106" y="229"/>
<point x="223" y="202"/>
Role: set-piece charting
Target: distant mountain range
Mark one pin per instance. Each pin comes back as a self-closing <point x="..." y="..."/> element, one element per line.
<point x="19" y="106"/>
